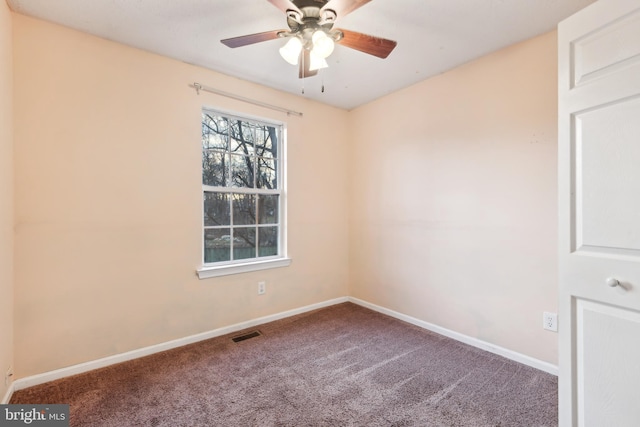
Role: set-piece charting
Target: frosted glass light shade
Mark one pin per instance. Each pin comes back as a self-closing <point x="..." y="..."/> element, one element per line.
<point x="322" y="44"/>
<point x="316" y="61"/>
<point x="291" y="51"/>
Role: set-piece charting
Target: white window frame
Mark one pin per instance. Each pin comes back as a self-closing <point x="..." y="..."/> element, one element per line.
<point x="222" y="268"/>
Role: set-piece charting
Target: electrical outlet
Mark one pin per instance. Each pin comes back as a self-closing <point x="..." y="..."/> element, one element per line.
<point x="262" y="288"/>
<point x="8" y="375"/>
<point x="550" y="321"/>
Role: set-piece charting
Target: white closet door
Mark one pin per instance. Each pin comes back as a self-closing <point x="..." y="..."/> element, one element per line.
<point x="599" y="229"/>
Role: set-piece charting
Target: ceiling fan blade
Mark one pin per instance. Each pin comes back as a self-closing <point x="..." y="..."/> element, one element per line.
<point x="375" y="46"/>
<point x="305" y="60"/>
<point x="285" y="5"/>
<point x="344" y="7"/>
<point x="251" y="38"/>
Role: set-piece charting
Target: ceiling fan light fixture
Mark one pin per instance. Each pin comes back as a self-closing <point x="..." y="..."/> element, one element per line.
<point x="290" y="52"/>
<point x="323" y="45"/>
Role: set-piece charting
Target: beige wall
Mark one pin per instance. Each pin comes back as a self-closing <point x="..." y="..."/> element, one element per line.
<point x="108" y="201"/>
<point x="453" y="199"/>
<point x="6" y="195"/>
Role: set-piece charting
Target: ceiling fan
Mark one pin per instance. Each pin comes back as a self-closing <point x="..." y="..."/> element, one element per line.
<point x="312" y="36"/>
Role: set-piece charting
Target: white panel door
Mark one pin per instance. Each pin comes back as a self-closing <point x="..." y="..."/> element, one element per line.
<point x="599" y="229"/>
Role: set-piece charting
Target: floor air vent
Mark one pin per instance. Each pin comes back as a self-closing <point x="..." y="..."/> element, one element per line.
<point x="246" y="336"/>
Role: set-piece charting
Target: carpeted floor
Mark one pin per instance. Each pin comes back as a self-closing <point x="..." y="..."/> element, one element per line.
<point x="343" y="365"/>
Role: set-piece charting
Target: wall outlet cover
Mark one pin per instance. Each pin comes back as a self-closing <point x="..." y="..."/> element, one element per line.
<point x="550" y="321"/>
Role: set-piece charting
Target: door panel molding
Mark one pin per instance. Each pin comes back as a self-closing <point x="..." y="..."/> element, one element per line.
<point x="599" y="53"/>
<point x="600" y="400"/>
<point x="604" y="145"/>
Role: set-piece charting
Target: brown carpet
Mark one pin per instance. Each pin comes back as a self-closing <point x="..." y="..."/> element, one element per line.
<point x="343" y="365"/>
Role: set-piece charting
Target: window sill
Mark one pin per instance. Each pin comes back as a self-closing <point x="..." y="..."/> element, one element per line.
<point x="225" y="270"/>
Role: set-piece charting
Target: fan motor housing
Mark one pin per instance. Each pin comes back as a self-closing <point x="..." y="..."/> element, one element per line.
<point x="318" y="4"/>
<point x="312" y="18"/>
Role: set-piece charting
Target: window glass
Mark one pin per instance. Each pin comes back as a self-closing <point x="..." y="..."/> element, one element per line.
<point x="216" y="209"/>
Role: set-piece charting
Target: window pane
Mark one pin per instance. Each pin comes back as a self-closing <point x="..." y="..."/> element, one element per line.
<point x="267" y="209"/>
<point x="270" y="142"/>
<point x="214" y="168"/>
<point x="244" y="209"/>
<point x="244" y="243"/>
<point x="268" y="241"/>
<point x="217" y="245"/>
<point x="216" y="209"/>
<point x="242" y="171"/>
<point x="242" y="137"/>
<point x="267" y="142"/>
<point x="214" y="132"/>
<point x="259" y="141"/>
<point x="267" y="176"/>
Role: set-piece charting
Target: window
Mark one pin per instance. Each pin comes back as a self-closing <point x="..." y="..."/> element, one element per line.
<point x="242" y="188"/>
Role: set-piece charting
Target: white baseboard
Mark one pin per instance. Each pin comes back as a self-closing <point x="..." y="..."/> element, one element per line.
<point x="33" y="380"/>
<point x="8" y="394"/>
<point x="501" y="351"/>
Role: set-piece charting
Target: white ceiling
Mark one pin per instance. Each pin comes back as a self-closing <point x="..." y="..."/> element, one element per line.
<point x="433" y="36"/>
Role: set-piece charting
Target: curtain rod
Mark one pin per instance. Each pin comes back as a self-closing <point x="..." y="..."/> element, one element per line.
<point x="198" y="87"/>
